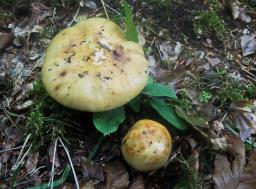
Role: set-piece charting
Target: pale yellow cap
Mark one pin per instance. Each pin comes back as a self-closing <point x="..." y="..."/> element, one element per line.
<point x="91" y="66"/>
<point x="147" y="145"/>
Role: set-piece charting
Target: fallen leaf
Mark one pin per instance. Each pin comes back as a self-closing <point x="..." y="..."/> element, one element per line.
<point x="89" y="4"/>
<point x="5" y="40"/>
<point x="248" y="44"/>
<point x="39" y="12"/>
<point x="222" y="175"/>
<point x="238" y="11"/>
<point x="169" y="52"/>
<point x="51" y="154"/>
<point x="32" y="161"/>
<point x="116" y="177"/>
<point x="247" y="180"/>
<point x="227" y="173"/>
<point x="244" y="117"/>
<point x="91" y="171"/>
<point x="4" y="157"/>
<point x="138" y="183"/>
<point x="213" y="61"/>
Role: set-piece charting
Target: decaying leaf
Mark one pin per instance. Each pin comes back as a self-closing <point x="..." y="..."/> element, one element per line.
<point x="168" y="52"/>
<point x="5" y="40"/>
<point x="248" y="44"/>
<point x="116" y="177"/>
<point x="247" y="180"/>
<point x="223" y="176"/>
<point x="51" y="154"/>
<point x="233" y="175"/>
<point x="243" y="115"/>
<point x="238" y="11"/>
<point x="91" y="171"/>
<point x="227" y="173"/>
<point x="32" y="161"/>
<point x="138" y="183"/>
<point x="89" y="4"/>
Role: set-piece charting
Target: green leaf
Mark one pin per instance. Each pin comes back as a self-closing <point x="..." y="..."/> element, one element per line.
<point x="108" y="122"/>
<point x="157" y="89"/>
<point x="150" y="80"/>
<point x="135" y="104"/>
<point x="167" y="111"/>
<point x="130" y="28"/>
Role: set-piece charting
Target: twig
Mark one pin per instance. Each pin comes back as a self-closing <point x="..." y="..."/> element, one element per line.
<point x="22" y="149"/>
<point x="11" y="149"/>
<point x="17" y="164"/>
<point x="70" y="161"/>
<point x="53" y="162"/>
<point x="103" y="4"/>
<point x="74" y="18"/>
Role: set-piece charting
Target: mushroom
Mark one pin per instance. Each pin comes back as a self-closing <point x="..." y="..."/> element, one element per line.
<point x="93" y="67"/>
<point x="147" y="145"/>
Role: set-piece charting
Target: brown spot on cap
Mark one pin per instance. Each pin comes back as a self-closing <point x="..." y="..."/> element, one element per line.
<point x="63" y="73"/>
<point x="57" y="87"/>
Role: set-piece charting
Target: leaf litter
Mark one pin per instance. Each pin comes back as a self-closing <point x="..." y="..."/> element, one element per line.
<point x="176" y="59"/>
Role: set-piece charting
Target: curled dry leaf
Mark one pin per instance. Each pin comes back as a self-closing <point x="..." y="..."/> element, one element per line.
<point x="244" y="117"/>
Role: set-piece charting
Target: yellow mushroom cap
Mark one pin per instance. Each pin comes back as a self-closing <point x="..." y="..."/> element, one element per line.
<point x="93" y="67"/>
<point x="147" y="145"/>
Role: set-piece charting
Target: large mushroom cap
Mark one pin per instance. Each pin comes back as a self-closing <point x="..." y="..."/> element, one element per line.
<point x="91" y="66"/>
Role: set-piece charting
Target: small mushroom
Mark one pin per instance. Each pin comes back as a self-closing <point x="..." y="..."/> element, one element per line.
<point x="93" y="67"/>
<point x="147" y="145"/>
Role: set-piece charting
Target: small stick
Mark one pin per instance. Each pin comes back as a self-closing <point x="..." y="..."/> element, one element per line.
<point x="70" y="161"/>
<point x="22" y="149"/>
<point x="53" y="163"/>
<point x="11" y="149"/>
<point x="103" y="4"/>
<point x="21" y="160"/>
<point x="74" y="17"/>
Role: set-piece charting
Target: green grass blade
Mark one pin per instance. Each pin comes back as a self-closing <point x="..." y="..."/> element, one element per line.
<point x="130" y="28"/>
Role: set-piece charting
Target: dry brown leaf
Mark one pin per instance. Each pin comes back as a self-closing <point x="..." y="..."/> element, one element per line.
<point x="5" y="40"/>
<point x="222" y="174"/>
<point x="91" y="171"/>
<point x="51" y="155"/>
<point x="244" y="117"/>
<point x="227" y="173"/>
<point x="116" y="177"/>
<point x="138" y="183"/>
<point x="32" y="161"/>
<point x="248" y="181"/>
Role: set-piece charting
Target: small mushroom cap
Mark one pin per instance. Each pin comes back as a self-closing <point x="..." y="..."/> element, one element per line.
<point x="92" y="67"/>
<point x="147" y="145"/>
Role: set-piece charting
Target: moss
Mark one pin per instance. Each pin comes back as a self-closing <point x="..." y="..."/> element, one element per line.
<point x="208" y="22"/>
<point x="45" y="120"/>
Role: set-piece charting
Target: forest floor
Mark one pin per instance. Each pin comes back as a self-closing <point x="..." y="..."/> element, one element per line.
<point x="204" y="49"/>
